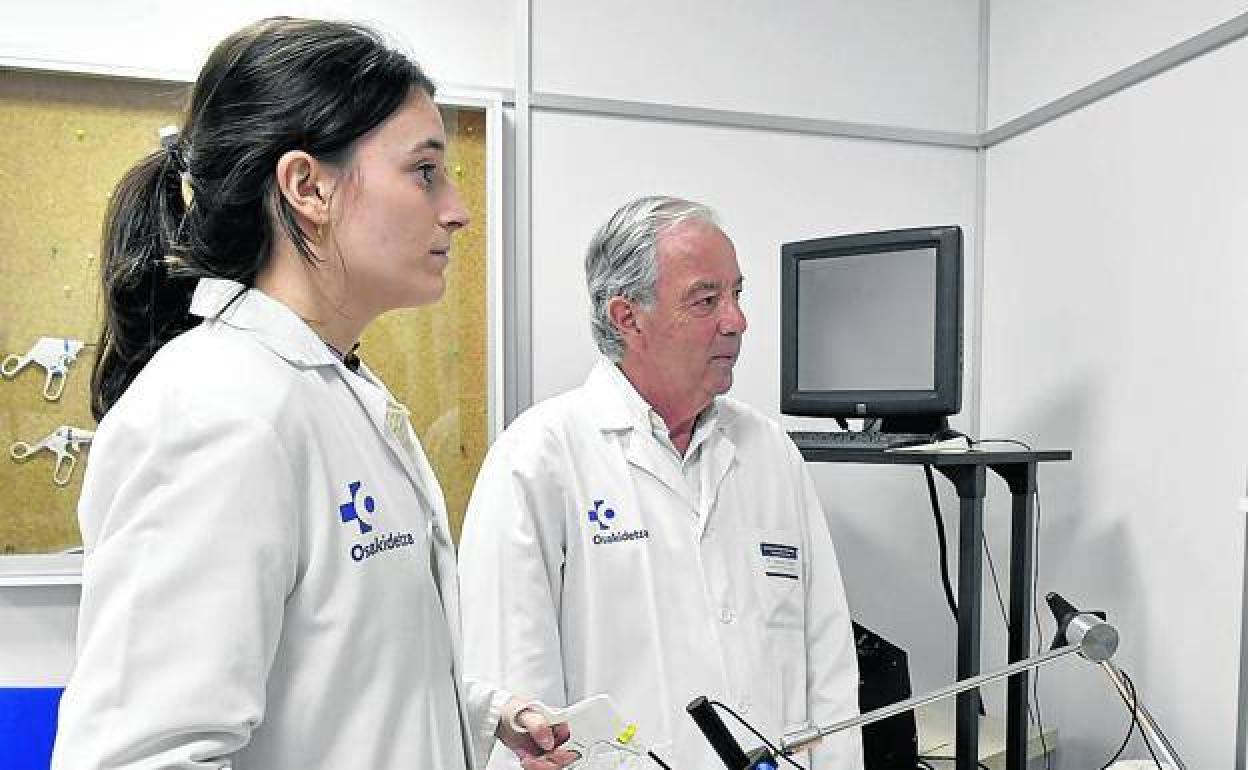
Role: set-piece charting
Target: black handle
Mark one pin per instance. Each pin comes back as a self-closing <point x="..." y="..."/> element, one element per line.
<point x="717" y="734"/>
<point x="1063" y="612"/>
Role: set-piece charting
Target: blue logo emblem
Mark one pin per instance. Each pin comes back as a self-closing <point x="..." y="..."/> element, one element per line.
<point x="596" y="516"/>
<point x="348" y="511"/>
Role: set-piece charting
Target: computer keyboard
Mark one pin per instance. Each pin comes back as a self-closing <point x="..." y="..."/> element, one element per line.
<point x="856" y="440"/>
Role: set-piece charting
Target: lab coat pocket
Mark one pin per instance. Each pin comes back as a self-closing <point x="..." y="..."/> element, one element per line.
<point x="777" y="557"/>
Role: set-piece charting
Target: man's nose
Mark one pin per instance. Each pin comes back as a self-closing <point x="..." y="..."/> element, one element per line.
<point x="733" y="319"/>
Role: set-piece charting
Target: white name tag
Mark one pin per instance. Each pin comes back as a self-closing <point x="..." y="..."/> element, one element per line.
<point x="780" y="561"/>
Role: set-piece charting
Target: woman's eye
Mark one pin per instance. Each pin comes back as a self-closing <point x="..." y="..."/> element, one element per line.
<point x="428" y="174"/>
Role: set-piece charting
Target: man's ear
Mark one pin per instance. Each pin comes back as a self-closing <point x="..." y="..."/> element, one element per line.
<point x="623" y="315"/>
<point x="306" y="185"/>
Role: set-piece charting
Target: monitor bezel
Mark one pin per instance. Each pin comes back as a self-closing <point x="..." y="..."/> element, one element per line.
<point x="945" y="398"/>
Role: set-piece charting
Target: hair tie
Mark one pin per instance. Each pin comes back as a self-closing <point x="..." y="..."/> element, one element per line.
<point x="174" y="148"/>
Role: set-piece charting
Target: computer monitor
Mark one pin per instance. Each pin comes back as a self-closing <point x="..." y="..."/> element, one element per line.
<point x="871" y="326"/>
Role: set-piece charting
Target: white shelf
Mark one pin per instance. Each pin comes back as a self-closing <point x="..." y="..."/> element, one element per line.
<point x="56" y="569"/>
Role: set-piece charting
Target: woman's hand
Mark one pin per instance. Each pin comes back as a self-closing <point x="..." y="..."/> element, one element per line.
<point x="537" y="743"/>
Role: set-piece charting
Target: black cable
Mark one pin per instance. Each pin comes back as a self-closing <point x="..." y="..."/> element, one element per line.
<point x="941" y="542"/>
<point x="1035" y="613"/>
<point x="1015" y="442"/>
<point x="1135" y="716"/>
<point x="655" y="757"/>
<point x="770" y="746"/>
<point x="945" y="435"/>
<point x="996" y="584"/>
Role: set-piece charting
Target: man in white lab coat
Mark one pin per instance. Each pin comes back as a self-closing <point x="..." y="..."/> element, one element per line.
<point x="646" y="536"/>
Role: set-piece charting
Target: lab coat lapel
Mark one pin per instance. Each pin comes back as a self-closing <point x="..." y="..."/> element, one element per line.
<point x="645" y="453"/>
<point x="609" y="409"/>
<point x="718" y="456"/>
<point x="376" y="402"/>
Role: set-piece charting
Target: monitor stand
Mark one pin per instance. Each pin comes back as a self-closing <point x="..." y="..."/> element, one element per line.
<point x="929" y="424"/>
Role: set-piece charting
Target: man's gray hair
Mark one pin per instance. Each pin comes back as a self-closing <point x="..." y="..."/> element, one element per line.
<point x="622" y="260"/>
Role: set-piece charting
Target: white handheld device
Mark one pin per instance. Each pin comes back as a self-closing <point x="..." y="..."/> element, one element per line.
<point x="596" y="729"/>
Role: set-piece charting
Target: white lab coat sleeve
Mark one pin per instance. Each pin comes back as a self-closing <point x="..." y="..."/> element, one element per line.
<point x="484" y="705"/>
<point x="187" y="519"/>
<point x="510" y="567"/>
<point x="831" y="657"/>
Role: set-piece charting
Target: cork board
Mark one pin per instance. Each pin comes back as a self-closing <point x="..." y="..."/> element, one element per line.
<point x="64" y="142"/>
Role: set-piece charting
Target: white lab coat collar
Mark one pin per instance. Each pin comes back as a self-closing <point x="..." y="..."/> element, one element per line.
<point x="275" y="325"/>
<point x="611" y="409"/>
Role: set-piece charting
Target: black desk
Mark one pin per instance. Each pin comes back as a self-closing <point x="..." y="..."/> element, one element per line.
<point x="968" y="472"/>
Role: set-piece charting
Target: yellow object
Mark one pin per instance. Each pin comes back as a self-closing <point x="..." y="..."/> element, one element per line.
<point x="626" y="735"/>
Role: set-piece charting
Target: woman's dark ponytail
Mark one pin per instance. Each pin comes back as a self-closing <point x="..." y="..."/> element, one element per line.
<point x="145" y="303"/>
<point x="277" y="85"/>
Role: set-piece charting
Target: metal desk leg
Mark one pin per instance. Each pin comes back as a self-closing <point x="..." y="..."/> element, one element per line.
<point x="1021" y="478"/>
<point x="970" y="484"/>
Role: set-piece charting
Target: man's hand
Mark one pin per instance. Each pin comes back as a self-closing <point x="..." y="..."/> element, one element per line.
<point x="536" y="744"/>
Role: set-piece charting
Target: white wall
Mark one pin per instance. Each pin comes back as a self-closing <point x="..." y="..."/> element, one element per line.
<point x="894" y="62"/>
<point x="1042" y="51"/>
<point x="460" y="42"/>
<point x="1114" y="324"/>
<point x="37" y="628"/>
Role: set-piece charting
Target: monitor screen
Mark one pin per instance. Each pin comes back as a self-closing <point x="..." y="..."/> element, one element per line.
<point x="867" y="322"/>
<point x="872" y="324"/>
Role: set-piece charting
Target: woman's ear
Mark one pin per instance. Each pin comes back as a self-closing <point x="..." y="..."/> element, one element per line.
<point x="305" y="184"/>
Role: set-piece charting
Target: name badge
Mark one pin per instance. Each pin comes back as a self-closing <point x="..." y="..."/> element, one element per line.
<point x="780" y="560"/>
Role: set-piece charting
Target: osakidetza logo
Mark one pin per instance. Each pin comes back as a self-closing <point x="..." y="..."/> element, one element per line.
<point x="350" y="512"/>
<point x="604" y="535"/>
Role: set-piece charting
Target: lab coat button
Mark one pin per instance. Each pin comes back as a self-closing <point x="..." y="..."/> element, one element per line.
<point x="726" y="615"/>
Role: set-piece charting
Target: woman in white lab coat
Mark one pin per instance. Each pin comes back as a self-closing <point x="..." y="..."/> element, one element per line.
<point x="269" y="580"/>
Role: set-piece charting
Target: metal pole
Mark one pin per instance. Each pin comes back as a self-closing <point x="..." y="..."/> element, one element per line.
<point x="1147" y="724"/>
<point x="801" y="739"/>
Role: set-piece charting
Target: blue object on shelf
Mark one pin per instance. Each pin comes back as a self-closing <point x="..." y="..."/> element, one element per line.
<point x="27" y="726"/>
